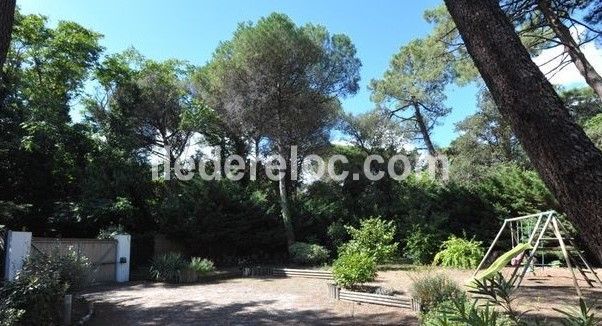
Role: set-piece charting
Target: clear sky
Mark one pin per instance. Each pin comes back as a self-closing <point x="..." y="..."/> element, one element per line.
<point x="191" y="30"/>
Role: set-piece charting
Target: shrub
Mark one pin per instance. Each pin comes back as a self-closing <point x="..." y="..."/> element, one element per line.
<point x="34" y="297"/>
<point x="353" y="268"/>
<point x="201" y="266"/>
<point x="168" y="267"/>
<point x="432" y="290"/>
<point x="459" y="253"/>
<point x="71" y="269"/>
<point x="374" y="237"/>
<point x="308" y="254"/>
<point x="421" y="245"/>
<point x="461" y="312"/>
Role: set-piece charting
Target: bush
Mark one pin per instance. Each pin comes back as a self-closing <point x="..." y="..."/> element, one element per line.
<point x="461" y="312"/>
<point x="168" y="268"/>
<point x="459" y="253"/>
<point x="308" y="254"/>
<point x="353" y="268"/>
<point x="375" y="237"/>
<point x="432" y="290"/>
<point x="421" y="245"/>
<point x="201" y="266"/>
<point x="71" y="269"/>
<point x="34" y="297"/>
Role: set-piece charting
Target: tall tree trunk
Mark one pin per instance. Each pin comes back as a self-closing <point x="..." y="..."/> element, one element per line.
<point x="7" y="16"/>
<point x="585" y="68"/>
<point x="566" y="159"/>
<point x="285" y="208"/>
<point x="424" y="130"/>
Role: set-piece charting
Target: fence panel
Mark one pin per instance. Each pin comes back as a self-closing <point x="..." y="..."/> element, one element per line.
<point x="100" y="253"/>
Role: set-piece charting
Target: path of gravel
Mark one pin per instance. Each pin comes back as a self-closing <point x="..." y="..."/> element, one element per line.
<point x="286" y="301"/>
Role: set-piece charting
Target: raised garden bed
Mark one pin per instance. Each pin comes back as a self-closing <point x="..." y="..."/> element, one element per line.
<point x="372" y="298"/>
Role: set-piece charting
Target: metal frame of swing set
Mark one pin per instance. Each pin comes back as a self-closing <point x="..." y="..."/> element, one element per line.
<point x="547" y="218"/>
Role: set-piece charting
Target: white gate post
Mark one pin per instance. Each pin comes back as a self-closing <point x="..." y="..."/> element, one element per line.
<point x="122" y="258"/>
<point x="17" y="248"/>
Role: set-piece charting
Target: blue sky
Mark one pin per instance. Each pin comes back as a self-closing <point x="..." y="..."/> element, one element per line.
<point x="191" y="30"/>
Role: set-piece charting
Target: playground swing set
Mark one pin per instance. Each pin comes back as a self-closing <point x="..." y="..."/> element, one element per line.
<point x="533" y="234"/>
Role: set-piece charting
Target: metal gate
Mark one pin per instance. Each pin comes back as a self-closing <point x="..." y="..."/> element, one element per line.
<point x="100" y="253"/>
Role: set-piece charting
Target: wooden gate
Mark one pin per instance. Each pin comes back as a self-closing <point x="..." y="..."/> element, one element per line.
<point x="100" y="253"/>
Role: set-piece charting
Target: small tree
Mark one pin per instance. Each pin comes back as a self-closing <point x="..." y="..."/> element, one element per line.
<point x="354" y="268"/>
<point x="374" y="237"/>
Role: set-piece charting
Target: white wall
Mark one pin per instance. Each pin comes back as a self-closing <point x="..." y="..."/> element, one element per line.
<point x="122" y="269"/>
<point x="18" y="246"/>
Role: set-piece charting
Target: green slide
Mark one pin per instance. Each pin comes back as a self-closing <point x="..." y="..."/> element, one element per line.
<point x="502" y="261"/>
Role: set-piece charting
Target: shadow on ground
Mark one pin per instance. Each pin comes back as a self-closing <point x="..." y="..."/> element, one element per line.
<point x="202" y="313"/>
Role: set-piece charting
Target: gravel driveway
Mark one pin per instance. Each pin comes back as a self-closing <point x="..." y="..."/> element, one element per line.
<point x="286" y="301"/>
<point x="242" y="301"/>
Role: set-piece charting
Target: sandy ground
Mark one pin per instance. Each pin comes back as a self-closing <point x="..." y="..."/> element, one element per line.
<point x="286" y="301"/>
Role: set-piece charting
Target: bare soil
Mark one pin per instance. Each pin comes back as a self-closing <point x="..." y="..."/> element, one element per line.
<point x="286" y="301"/>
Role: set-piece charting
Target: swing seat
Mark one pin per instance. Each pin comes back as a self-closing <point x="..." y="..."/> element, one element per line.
<point x="517" y="259"/>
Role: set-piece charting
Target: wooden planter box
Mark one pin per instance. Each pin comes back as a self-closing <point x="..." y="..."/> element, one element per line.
<point x="337" y="293"/>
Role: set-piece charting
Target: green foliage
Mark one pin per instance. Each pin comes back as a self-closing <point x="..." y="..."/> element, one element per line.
<point x="432" y="290"/>
<point x="459" y="253"/>
<point x="583" y="104"/>
<point x="223" y="220"/>
<point x="413" y="87"/>
<point x="201" y="266"/>
<point x="485" y="140"/>
<point x="421" y="244"/>
<point x="462" y="312"/>
<point x="168" y="268"/>
<point x="498" y="308"/>
<point x="34" y="297"/>
<point x="43" y="153"/>
<point x="305" y="69"/>
<point x="110" y="232"/>
<point x="499" y="292"/>
<point x="593" y="128"/>
<point x="374" y="237"/>
<point x="374" y="130"/>
<point x="515" y="191"/>
<point x="308" y="254"/>
<point x="353" y="268"/>
<point x="582" y="316"/>
<point x="337" y="233"/>
<point x="72" y="269"/>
